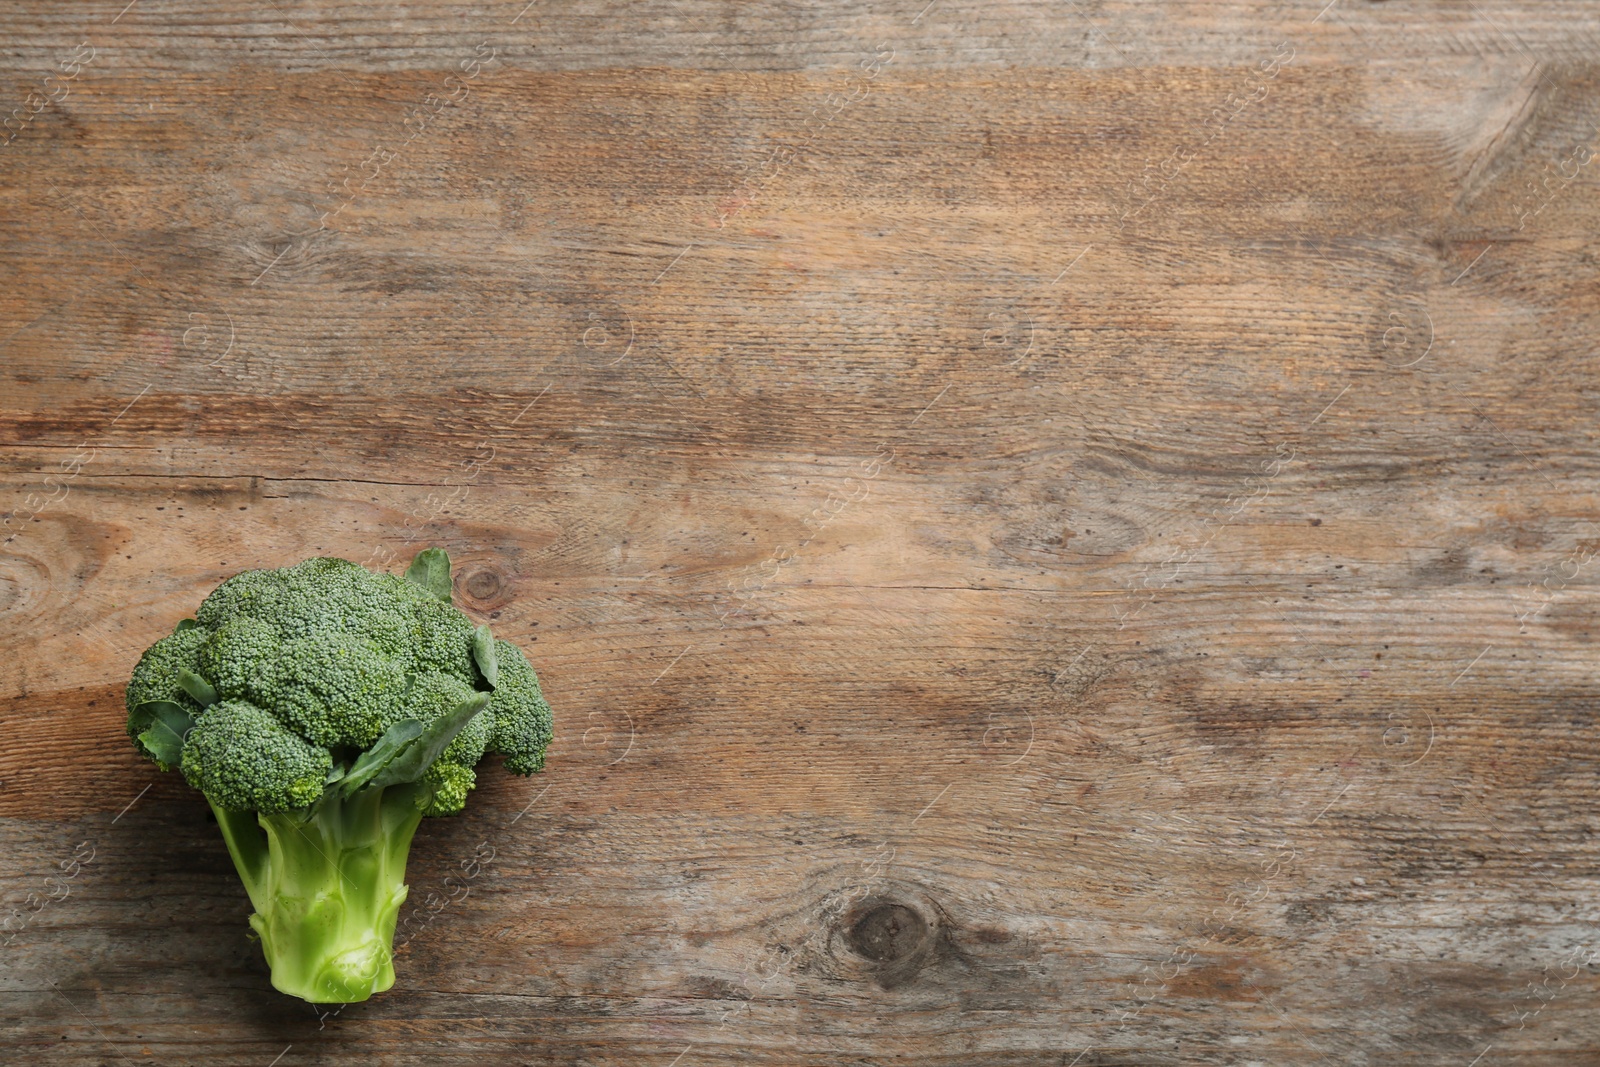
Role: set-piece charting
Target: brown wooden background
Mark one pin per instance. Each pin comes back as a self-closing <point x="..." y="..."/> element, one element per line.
<point x="1056" y="533"/>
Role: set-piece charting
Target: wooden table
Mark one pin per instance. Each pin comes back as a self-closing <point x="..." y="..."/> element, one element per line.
<point x="1055" y="533"/>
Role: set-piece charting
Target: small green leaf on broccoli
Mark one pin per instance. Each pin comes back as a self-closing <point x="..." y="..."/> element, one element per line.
<point x="203" y="692"/>
<point x="376" y="758"/>
<point x="163" y="738"/>
<point x="415" y="758"/>
<point x="483" y="655"/>
<point x="431" y="570"/>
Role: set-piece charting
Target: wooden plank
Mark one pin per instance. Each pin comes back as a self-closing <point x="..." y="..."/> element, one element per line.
<point x="1054" y="534"/>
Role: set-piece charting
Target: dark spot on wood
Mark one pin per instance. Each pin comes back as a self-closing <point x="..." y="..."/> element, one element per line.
<point x="1305" y="912"/>
<point x="887" y="933"/>
<point x="1245" y="730"/>
<point x="482" y="584"/>
<point x="485" y="589"/>
<point x="1447" y="568"/>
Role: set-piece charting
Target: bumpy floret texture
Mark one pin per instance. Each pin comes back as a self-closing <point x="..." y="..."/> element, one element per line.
<point x="522" y="724"/>
<point x="327" y="646"/>
<point x="248" y="593"/>
<point x="241" y="659"/>
<point x="433" y="695"/>
<point x="156" y="675"/>
<point x="451" y="783"/>
<point x="244" y="759"/>
<point x="451" y="775"/>
<point x="312" y="663"/>
<point x="441" y="640"/>
<point x="337" y="689"/>
<point x="156" y="678"/>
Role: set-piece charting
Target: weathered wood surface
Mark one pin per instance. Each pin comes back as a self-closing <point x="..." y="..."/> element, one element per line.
<point x="1055" y="533"/>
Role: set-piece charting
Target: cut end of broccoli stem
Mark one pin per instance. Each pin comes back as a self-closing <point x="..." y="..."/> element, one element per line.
<point x="327" y="889"/>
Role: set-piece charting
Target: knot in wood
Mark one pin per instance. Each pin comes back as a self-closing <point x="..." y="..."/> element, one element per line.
<point x="887" y="933"/>
<point x="484" y="585"/>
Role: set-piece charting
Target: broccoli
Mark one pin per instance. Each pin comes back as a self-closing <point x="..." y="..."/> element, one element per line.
<point x="323" y="710"/>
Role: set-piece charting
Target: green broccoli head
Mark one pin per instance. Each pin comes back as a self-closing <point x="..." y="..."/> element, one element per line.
<point x="323" y="710"/>
<point x="334" y="655"/>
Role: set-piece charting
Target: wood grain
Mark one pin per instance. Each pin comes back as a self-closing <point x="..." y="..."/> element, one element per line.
<point x="1055" y="534"/>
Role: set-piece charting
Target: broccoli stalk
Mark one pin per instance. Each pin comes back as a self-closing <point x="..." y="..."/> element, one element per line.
<point x="323" y="711"/>
<point x="327" y="890"/>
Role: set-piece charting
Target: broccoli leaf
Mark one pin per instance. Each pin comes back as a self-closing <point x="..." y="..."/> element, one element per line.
<point x="204" y="693"/>
<point x="185" y="624"/>
<point x="431" y="570"/>
<point x="383" y="750"/>
<point x="164" y="737"/>
<point x="483" y="656"/>
<point x="419" y="755"/>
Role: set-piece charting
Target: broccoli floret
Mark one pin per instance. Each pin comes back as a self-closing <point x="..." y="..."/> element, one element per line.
<point x="441" y="640"/>
<point x="244" y="759"/>
<point x="323" y="710"/>
<point x="452" y="777"/>
<point x="451" y="783"/>
<point x="253" y="593"/>
<point x="337" y="690"/>
<point x="387" y="620"/>
<point x="522" y="719"/>
<point x="434" y="695"/>
<point x="241" y="658"/>
<point x="155" y="677"/>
